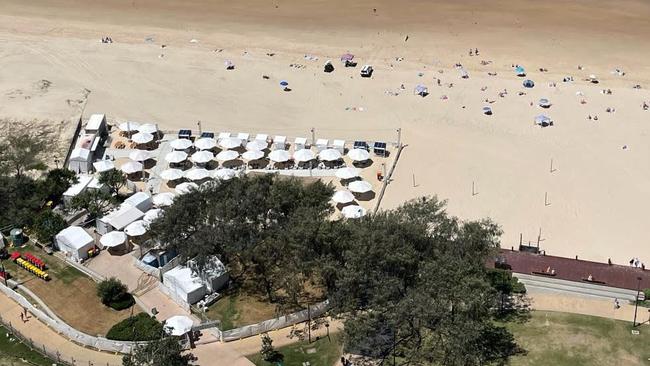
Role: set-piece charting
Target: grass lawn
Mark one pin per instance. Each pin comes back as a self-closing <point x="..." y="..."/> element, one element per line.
<point x="319" y="353"/>
<point x="69" y="293"/>
<point x="238" y="309"/>
<point x="573" y="340"/>
<point x="13" y="352"/>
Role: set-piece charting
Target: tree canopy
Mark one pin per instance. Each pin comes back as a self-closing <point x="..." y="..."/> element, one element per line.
<point x="164" y="351"/>
<point x="409" y="283"/>
<point x="20" y="153"/>
<point x="47" y="224"/>
<point x="114" y="179"/>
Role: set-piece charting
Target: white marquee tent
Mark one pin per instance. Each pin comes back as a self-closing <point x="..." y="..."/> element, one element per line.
<point x="74" y="241"/>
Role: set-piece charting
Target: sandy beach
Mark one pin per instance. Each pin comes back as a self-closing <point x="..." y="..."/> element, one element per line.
<point x="597" y="193"/>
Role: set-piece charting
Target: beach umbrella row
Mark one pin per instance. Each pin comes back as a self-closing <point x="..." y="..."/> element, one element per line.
<point x="353" y="212"/>
<point x="142" y="138"/>
<point x="202" y="156"/>
<point x="205" y="143"/>
<point x="131" y="167"/>
<point x="180" y="144"/>
<point x="176" y="157"/>
<point x="257" y="145"/>
<point x="139" y="155"/>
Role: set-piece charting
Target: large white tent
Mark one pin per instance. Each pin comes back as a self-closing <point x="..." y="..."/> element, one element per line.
<point x="80" y="160"/>
<point x="75" y="242"/>
<point x="183" y="286"/>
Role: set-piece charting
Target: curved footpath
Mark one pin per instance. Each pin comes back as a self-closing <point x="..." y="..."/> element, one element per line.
<point x="233" y="353"/>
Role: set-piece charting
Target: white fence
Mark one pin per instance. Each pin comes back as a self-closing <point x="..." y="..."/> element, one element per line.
<point x="274" y="324"/>
<point x="98" y="343"/>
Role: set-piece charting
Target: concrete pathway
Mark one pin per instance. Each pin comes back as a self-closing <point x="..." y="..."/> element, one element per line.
<point x="42" y="336"/>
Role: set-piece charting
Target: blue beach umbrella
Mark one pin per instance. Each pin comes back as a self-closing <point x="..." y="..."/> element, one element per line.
<point x="284" y="83"/>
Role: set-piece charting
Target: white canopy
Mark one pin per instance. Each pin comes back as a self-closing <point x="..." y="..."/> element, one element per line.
<point x="343" y="197"/>
<point x="75" y="241"/>
<point x="172" y="174"/>
<point x="180" y="144"/>
<point x="129" y="126"/>
<point x="139" y="155"/>
<point x="163" y="199"/>
<point x="178" y="325"/>
<point x="353" y="212"/>
<point x="225" y="173"/>
<point x="151" y="215"/>
<point x="136" y="228"/>
<point x="253" y="154"/>
<point x="227" y="155"/>
<point x="112" y="239"/>
<point x="142" y="138"/>
<point x="184" y="188"/>
<point x="279" y="156"/>
<point x="148" y="128"/>
<point x="330" y="155"/>
<point x="303" y="155"/>
<point x="230" y="142"/>
<point x="197" y="174"/>
<point x="359" y="154"/>
<point x="176" y="156"/>
<point x="257" y="145"/>
<point x="205" y="143"/>
<point x="202" y="157"/>
<point x="360" y="186"/>
<point x="347" y="173"/>
<point x="103" y="165"/>
<point x="131" y="167"/>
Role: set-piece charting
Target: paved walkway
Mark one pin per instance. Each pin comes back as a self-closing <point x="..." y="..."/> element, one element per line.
<point x="40" y="334"/>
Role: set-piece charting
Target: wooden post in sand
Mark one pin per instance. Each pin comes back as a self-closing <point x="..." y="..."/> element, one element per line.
<point x="313" y="136"/>
<point x="546" y="203"/>
<point x="399" y="137"/>
<point x="552" y="170"/>
<point x="539" y="237"/>
<point x="474" y="193"/>
<point x="199" y="124"/>
<point x="414" y="185"/>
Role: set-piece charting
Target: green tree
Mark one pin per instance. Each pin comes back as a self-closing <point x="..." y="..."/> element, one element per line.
<point x="268" y="352"/>
<point x="47" y="224"/>
<point x="111" y="291"/>
<point x="140" y="327"/>
<point x="114" y="179"/>
<point x="56" y="182"/>
<point x="96" y="202"/>
<point x="20" y="200"/>
<point x="21" y="152"/>
<point x="164" y="351"/>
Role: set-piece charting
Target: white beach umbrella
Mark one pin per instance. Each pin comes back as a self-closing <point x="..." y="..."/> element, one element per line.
<point x="178" y="325"/>
<point x="172" y="174"/>
<point x="142" y="138"/>
<point x="180" y="144"/>
<point x="227" y="155"/>
<point x="103" y="165"/>
<point x="224" y="173"/>
<point x="139" y="155"/>
<point x="205" y="143"/>
<point x="148" y="128"/>
<point x="202" y="157"/>
<point x="257" y="145"/>
<point x="252" y="155"/>
<point x="279" y="156"/>
<point x="131" y="167"/>
<point x="353" y="212"/>
<point x="347" y="173"/>
<point x="184" y="188"/>
<point x="136" y="228"/>
<point x="343" y="197"/>
<point x="359" y="154"/>
<point x="112" y="239"/>
<point x="129" y="126"/>
<point x="176" y="157"/>
<point x="197" y="174"/>
<point x="329" y="155"/>
<point x="303" y="155"/>
<point x="163" y="199"/>
<point x="151" y="215"/>
<point x="360" y="186"/>
<point x="230" y="142"/>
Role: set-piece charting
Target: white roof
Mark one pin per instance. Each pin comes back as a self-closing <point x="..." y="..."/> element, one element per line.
<point x="74" y="237"/>
<point x="104" y="165"/>
<point x="82" y="183"/>
<point x="94" y="183"/>
<point x="300" y="140"/>
<point x="125" y="215"/>
<point x="137" y="199"/>
<point x="322" y="142"/>
<point x="182" y="276"/>
<point x="95" y="122"/>
<point x="80" y="154"/>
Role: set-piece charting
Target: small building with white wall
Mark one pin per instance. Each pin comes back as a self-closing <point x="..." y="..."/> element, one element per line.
<point x="80" y="161"/>
<point x="75" y="242"/>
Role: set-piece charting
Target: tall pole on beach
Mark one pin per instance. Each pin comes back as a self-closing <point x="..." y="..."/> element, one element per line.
<point x="313" y="136"/>
<point x="399" y="137"/>
<point x="199" y="124"/>
<point x="636" y="300"/>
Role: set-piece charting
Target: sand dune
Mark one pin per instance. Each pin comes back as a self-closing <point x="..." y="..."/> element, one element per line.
<point x="596" y="197"/>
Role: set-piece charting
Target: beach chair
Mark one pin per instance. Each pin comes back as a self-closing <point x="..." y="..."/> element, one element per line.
<point x="262" y="137"/>
<point x="243" y="136"/>
<point x="280" y="142"/>
<point x="224" y="135"/>
<point x="207" y="135"/>
<point x="299" y="143"/>
<point x="339" y="145"/>
<point x="361" y="145"/>
<point x="321" y="144"/>
<point x="379" y="148"/>
<point x="184" y="134"/>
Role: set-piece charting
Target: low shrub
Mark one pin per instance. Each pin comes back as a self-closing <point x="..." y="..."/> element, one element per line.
<point x="140" y="327"/>
<point x="126" y="302"/>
